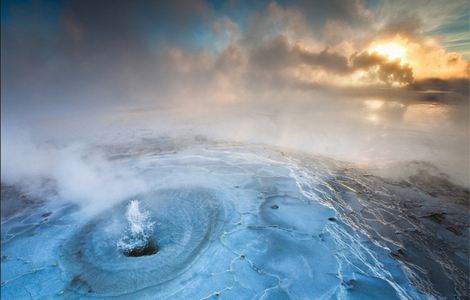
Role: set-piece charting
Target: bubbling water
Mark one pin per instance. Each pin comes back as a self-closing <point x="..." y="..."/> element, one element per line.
<point x="138" y="239"/>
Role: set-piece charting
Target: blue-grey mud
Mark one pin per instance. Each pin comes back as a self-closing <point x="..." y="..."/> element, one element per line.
<point x="241" y="221"/>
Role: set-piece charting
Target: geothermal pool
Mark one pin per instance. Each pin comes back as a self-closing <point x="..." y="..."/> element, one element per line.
<point x="233" y="221"/>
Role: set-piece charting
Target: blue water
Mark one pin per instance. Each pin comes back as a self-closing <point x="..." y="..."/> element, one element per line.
<point x="230" y="223"/>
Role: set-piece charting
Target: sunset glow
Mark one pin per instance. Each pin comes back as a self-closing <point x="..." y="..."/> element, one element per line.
<point x="391" y="50"/>
<point x="234" y="149"/>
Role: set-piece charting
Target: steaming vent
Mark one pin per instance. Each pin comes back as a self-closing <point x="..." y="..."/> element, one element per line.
<point x="138" y="240"/>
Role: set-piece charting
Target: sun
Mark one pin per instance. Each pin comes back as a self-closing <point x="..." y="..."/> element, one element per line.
<point x="390" y="50"/>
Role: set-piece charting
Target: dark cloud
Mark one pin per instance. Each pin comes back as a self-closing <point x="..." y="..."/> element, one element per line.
<point x="277" y="54"/>
<point x="107" y="24"/>
<point x="327" y="60"/>
<point x="273" y="54"/>
<point x="352" y="12"/>
<point x="386" y="71"/>
<point x="91" y="52"/>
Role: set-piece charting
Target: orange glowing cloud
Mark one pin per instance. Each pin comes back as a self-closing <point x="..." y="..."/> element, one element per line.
<point x="426" y="57"/>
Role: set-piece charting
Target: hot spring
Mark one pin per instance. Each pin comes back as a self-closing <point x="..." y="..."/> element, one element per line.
<point x="233" y="221"/>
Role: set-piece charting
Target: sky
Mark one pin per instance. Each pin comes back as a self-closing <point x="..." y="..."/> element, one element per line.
<point x="353" y="78"/>
<point x="63" y="53"/>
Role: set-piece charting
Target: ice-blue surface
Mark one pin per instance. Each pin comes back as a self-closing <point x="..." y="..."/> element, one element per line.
<point x="230" y="223"/>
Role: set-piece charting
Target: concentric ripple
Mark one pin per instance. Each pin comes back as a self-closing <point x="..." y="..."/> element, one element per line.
<point x="187" y="220"/>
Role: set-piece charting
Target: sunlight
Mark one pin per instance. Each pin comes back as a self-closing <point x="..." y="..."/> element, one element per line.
<point x="391" y="50"/>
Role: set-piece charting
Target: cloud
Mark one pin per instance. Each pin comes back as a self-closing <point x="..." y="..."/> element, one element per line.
<point x="120" y="54"/>
<point x="389" y="72"/>
<point x="277" y="55"/>
<point x="330" y="61"/>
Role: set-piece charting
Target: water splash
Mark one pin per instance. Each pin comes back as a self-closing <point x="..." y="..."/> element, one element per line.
<point x="138" y="239"/>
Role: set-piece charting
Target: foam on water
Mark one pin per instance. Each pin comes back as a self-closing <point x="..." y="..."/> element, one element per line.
<point x="138" y="239"/>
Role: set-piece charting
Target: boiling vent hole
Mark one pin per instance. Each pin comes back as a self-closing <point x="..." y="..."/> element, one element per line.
<point x="148" y="249"/>
<point x="137" y="240"/>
